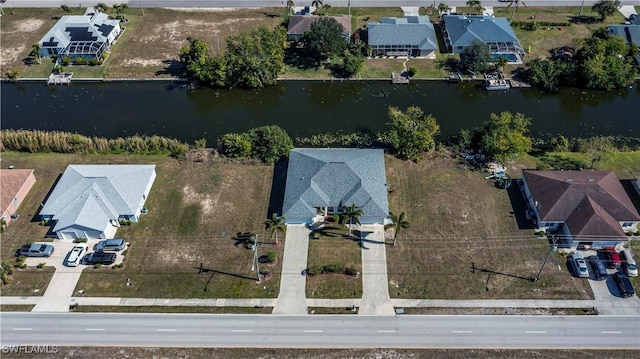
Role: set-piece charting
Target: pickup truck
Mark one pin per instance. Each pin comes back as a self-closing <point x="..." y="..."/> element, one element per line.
<point x="100" y="257"/>
<point x="35" y="250"/>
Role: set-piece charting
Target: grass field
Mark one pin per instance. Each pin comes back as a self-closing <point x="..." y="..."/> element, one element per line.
<point x="172" y="309"/>
<point x="30" y="281"/>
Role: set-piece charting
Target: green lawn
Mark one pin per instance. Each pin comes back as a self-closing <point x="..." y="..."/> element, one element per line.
<point x="172" y="309"/>
<point x="30" y="281"/>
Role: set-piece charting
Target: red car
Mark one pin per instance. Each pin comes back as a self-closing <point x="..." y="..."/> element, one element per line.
<point x="613" y="258"/>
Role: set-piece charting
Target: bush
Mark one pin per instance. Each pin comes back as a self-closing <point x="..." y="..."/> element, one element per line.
<point x="80" y="61"/>
<point x="13" y="74"/>
<point x="270" y="143"/>
<point x="21" y="258"/>
<point x="235" y="145"/>
<point x="97" y="265"/>
<point x="350" y="270"/>
<point x="66" y="61"/>
<point x="272" y="256"/>
<point x="41" y="265"/>
<point x="80" y="240"/>
<point x="124" y="253"/>
<point x="22" y="265"/>
<point x="412" y="71"/>
<point x="116" y="266"/>
<point x="333" y="268"/>
<point x="94" y="61"/>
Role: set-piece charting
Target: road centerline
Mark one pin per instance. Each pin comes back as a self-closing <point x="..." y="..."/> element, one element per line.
<point x="96" y="329"/>
<point x="22" y="329"/>
<point x="535" y="332"/>
<point x="167" y="330"/>
<point x="241" y="330"/>
<point x="387" y="331"/>
<point x="610" y="332"/>
<point x="314" y="331"/>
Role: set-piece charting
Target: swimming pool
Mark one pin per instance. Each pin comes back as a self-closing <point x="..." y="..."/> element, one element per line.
<point x="510" y="57"/>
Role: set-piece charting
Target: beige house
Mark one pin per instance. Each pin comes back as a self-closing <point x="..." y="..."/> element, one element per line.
<point x="14" y="186"/>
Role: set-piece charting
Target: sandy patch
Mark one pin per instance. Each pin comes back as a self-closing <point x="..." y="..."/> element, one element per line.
<point x="27" y="25"/>
<point x="207" y="9"/>
<point x="137" y="62"/>
<point x="10" y="54"/>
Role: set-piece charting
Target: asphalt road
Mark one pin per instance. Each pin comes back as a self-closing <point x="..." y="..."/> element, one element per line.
<point x="282" y="3"/>
<point x="345" y="331"/>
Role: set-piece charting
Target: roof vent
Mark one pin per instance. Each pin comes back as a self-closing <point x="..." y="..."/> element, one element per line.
<point x="591" y="180"/>
<point x="569" y="180"/>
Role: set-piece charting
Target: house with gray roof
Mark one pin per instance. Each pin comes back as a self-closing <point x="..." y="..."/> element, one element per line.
<point x="322" y="182"/>
<point x="581" y="207"/>
<point x="406" y="36"/>
<point x="87" y="36"/>
<point x="460" y="31"/>
<point x="89" y="200"/>
<point x="299" y="24"/>
<point x="630" y="34"/>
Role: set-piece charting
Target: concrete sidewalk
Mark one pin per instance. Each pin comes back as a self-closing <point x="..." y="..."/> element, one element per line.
<point x="375" y="286"/>
<point x="292" y="298"/>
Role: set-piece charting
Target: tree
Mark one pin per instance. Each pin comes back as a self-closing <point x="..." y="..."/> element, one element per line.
<point x="3" y="224"/>
<point x="324" y="39"/>
<point x="475" y="5"/>
<point x="398" y="222"/>
<point x="605" y="62"/>
<point x="317" y="4"/>
<point x="102" y="7"/>
<point x="274" y="225"/>
<point x="326" y="8"/>
<point x="352" y="214"/>
<point x="606" y="8"/>
<point x="35" y="49"/>
<point x="194" y="56"/>
<point x="270" y="143"/>
<point x="505" y="135"/>
<point x="290" y="6"/>
<point x="235" y="145"/>
<point x="500" y="63"/>
<point x="411" y="132"/>
<point x="352" y="64"/>
<point x="65" y="9"/>
<point x="515" y="8"/>
<point x="7" y="270"/>
<point x="442" y="8"/>
<point x="476" y="57"/>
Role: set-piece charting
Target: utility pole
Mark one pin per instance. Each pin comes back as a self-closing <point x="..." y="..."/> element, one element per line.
<point x="581" y="6"/>
<point x="349" y="6"/>
<point x="551" y="250"/>
<point x="255" y="265"/>
<point x="141" y="8"/>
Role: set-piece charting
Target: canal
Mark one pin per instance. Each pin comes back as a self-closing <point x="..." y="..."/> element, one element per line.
<point x="304" y="108"/>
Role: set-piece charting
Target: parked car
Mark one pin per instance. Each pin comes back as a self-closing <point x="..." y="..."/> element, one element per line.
<point x="579" y="266"/>
<point x="613" y="259"/>
<point x="629" y="263"/>
<point x="35" y="250"/>
<point x="76" y="254"/>
<point x="624" y="285"/>
<point x="597" y="268"/>
<point x="100" y="257"/>
<point x="111" y="245"/>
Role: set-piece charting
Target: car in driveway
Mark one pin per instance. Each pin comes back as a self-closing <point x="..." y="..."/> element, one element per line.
<point x="100" y="257"/>
<point x="597" y="268"/>
<point x="111" y="245"/>
<point x="613" y="258"/>
<point x="76" y="254"/>
<point x="579" y="265"/>
<point x="629" y="263"/>
<point x="35" y="250"/>
<point x="624" y="285"/>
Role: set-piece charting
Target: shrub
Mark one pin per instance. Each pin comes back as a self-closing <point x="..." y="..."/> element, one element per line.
<point x="80" y="240"/>
<point x="124" y="253"/>
<point x="412" y="71"/>
<point x="22" y="265"/>
<point x="13" y="74"/>
<point x="97" y="266"/>
<point x="271" y="256"/>
<point x="21" y="258"/>
<point x="41" y="265"/>
<point x="80" y="61"/>
<point x="201" y="143"/>
<point x="66" y="61"/>
<point x="350" y="270"/>
<point x="333" y="268"/>
<point x="116" y="266"/>
<point x="94" y="61"/>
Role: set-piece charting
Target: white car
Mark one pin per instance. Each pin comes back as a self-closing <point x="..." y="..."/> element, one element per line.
<point x="579" y="266"/>
<point x="629" y="263"/>
<point x="76" y="254"/>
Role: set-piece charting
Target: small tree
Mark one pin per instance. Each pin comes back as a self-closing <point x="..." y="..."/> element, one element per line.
<point x="274" y="225"/>
<point x="606" y="8"/>
<point x="475" y="5"/>
<point x="443" y="8"/>
<point x="505" y="135"/>
<point x="476" y="57"/>
<point x="398" y="222"/>
<point x="500" y="63"/>
<point x="290" y="6"/>
<point x="7" y="270"/>
<point x="235" y="145"/>
<point x="102" y="7"/>
<point x="352" y="64"/>
<point x="270" y="143"/>
<point x="411" y="132"/>
<point x="3" y="224"/>
<point x="352" y="214"/>
<point x="13" y="74"/>
<point x="65" y="8"/>
<point x="324" y="39"/>
<point x="317" y="4"/>
<point x="326" y="8"/>
<point x="35" y="49"/>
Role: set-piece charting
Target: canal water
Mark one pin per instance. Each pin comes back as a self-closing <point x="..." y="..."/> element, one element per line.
<point x="304" y="108"/>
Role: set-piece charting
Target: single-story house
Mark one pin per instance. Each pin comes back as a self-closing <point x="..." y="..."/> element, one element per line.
<point x="89" y="201"/>
<point x="634" y="19"/>
<point x="299" y="24"/>
<point x="14" y="186"/>
<point x="322" y="182"/>
<point x="87" y="36"/>
<point x="630" y="34"/>
<point x="581" y="207"/>
<point x="460" y="31"/>
<point x="406" y="36"/>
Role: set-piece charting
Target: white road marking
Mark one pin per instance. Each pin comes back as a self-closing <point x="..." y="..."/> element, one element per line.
<point x="21" y="328"/>
<point x="461" y="331"/>
<point x="94" y="329"/>
<point x="387" y="331"/>
<point x="611" y="332"/>
<point x="314" y="331"/>
<point x="535" y="332"/>
<point x="167" y="330"/>
<point x="241" y="330"/>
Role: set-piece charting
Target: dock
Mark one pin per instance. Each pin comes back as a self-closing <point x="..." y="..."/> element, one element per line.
<point x="63" y="78"/>
<point x="399" y="78"/>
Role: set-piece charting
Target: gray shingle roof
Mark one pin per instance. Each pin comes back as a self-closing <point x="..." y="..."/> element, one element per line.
<point x="630" y="33"/>
<point x="463" y="30"/>
<point x="92" y="195"/>
<point x="410" y="30"/>
<point x="334" y="177"/>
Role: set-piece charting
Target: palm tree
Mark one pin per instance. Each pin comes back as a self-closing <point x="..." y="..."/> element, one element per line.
<point x="326" y="8"/>
<point x="398" y="223"/>
<point x="3" y="224"/>
<point x="317" y="4"/>
<point x="35" y="48"/>
<point x="442" y="8"/>
<point x="65" y="8"/>
<point x="475" y="5"/>
<point x="290" y="6"/>
<point x="515" y="8"/>
<point x="500" y="63"/>
<point x="352" y="213"/>
<point x="275" y="225"/>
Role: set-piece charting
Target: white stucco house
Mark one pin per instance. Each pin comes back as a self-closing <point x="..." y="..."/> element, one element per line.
<point x="89" y="200"/>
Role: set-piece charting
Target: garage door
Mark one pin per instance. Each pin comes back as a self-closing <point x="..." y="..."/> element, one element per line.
<point x="68" y="235"/>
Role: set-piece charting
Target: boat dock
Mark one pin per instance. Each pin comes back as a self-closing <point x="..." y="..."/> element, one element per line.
<point x="399" y="78"/>
<point x="63" y="78"/>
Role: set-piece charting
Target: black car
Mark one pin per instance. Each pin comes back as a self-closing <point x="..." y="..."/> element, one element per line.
<point x="624" y="285"/>
<point x="597" y="268"/>
<point x="100" y="257"/>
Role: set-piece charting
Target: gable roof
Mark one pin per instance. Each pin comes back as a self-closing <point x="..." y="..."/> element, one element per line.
<point x="92" y="195"/>
<point x="463" y="30"/>
<point x="590" y="202"/>
<point x="11" y="182"/>
<point x="333" y="178"/>
<point x="409" y="30"/>
<point x="94" y="27"/>
<point x="299" y="24"/>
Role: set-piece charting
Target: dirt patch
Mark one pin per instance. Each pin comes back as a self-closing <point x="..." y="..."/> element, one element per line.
<point x="11" y="53"/>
